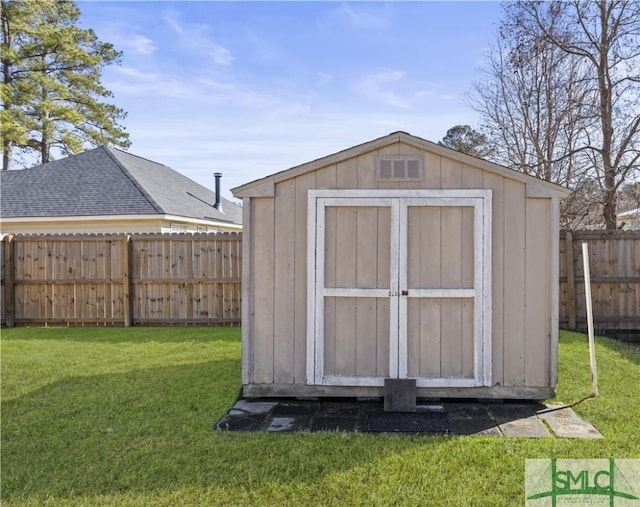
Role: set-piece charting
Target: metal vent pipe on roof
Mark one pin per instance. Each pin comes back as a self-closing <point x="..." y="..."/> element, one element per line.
<point x="217" y="204"/>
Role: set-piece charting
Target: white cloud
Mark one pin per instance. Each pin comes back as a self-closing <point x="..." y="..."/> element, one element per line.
<point x="139" y="44"/>
<point x="378" y="87"/>
<point x="126" y="38"/>
<point x="363" y="18"/>
<point x="395" y="88"/>
<point x="196" y="38"/>
<point x="200" y="91"/>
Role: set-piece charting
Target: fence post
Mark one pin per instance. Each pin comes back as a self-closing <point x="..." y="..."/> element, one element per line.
<point x="571" y="279"/>
<point x="9" y="282"/>
<point x="126" y="265"/>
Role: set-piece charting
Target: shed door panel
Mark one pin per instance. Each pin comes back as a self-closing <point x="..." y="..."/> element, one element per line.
<point x="440" y="255"/>
<point x="440" y="340"/>
<point x="357" y="245"/>
<point x="356" y="337"/>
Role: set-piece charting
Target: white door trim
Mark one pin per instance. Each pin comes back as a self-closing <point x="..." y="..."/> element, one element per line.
<point x="399" y="201"/>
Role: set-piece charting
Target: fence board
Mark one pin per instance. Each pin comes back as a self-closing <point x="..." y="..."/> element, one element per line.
<point x="118" y="279"/>
<point x="615" y="278"/>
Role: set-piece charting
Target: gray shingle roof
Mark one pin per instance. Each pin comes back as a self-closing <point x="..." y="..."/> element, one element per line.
<point x="106" y="181"/>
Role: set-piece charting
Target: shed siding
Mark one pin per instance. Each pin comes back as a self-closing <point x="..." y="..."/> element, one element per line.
<point x="284" y="283"/>
<point x="513" y="218"/>
<point x="302" y="184"/>
<point x="497" y="184"/>
<point x="521" y="236"/>
<point x="537" y="309"/>
<point x="262" y="222"/>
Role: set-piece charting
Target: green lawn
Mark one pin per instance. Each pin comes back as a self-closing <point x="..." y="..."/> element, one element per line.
<point x="112" y="416"/>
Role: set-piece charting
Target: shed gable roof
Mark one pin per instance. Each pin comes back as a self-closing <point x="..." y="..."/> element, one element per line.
<point x="107" y="181"/>
<point x="266" y="186"/>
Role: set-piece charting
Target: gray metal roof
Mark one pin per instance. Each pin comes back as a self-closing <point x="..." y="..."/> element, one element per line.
<point x="107" y="181"/>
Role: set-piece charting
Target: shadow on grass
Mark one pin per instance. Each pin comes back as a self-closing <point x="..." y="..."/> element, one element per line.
<point x="136" y="334"/>
<point x="131" y="438"/>
<point x="149" y="430"/>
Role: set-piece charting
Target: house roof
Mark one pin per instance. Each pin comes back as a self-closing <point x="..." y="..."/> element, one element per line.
<point x="265" y="186"/>
<point x="107" y="181"/>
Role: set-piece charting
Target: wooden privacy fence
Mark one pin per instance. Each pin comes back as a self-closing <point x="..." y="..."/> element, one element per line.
<point x="121" y="279"/>
<point x="615" y="282"/>
<point x="195" y="278"/>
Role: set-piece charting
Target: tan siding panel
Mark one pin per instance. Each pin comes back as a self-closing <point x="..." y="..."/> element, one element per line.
<point x="384" y="248"/>
<point x="367" y="171"/>
<point x="303" y="183"/>
<point x="326" y="177"/>
<point x="345" y="261"/>
<point x="425" y="247"/>
<point x="263" y="287"/>
<point x="472" y="177"/>
<point x="347" y="173"/>
<point x="283" y="318"/>
<point x="451" y="337"/>
<point x="382" y="337"/>
<point x="451" y="245"/>
<point x="537" y="301"/>
<point x="514" y="283"/>
<point x="365" y="336"/>
<point x="432" y="171"/>
<point x="468" y="254"/>
<point x="345" y="324"/>
<point x="496" y="184"/>
<point x="451" y="173"/>
<point x="367" y="247"/>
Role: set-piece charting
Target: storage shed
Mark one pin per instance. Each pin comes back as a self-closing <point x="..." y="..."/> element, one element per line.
<point x="400" y="259"/>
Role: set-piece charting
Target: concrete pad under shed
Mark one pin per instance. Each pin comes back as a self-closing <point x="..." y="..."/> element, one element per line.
<point x="254" y="407"/>
<point x="508" y="419"/>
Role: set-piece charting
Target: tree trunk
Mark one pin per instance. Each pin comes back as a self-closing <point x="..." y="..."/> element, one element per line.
<point x="6" y="156"/>
<point x="609" y="210"/>
<point x="6" y="145"/>
<point x="606" y="118"/>
<point x="45" y="155"/>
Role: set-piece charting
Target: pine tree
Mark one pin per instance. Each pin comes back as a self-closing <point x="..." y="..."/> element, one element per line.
<point x="51" y="93"/>
<point x="467" y="140"/>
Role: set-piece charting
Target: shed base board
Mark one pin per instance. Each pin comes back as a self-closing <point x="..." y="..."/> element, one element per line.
<point x="300" y="390"/>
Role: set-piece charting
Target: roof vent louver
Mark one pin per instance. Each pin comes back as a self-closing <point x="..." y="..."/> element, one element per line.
<point x="399" y="167"/>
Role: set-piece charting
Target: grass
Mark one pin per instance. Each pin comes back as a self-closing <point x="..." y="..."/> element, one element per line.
<point x="112" y="416"/>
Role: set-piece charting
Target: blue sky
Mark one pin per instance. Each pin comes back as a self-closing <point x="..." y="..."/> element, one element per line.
<point x="251" y="88"/>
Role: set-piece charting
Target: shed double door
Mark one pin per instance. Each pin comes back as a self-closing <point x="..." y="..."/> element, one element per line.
<point x="399" y="287"/>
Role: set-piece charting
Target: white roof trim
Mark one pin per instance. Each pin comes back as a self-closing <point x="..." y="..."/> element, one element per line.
<point x="264" y="187"/>
<point x="121" y="218"/>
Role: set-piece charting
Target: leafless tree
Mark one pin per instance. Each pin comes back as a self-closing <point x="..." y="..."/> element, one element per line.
<point x="562" y="94"/>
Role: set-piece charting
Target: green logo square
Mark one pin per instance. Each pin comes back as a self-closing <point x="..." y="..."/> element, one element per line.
<point x="577" y="482"/>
